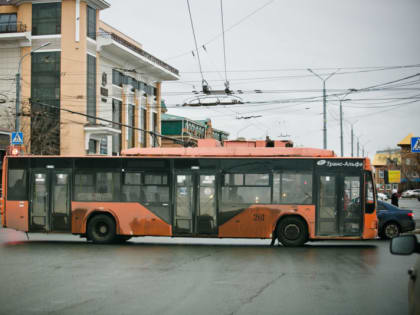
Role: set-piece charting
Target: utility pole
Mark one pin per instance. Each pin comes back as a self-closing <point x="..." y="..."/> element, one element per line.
<point x="358" y="147"/>
<point x="17" y="127"/>
<point x="343" y="99"/>
<point x="324" y="129"/>
<point x="352" y="136"/>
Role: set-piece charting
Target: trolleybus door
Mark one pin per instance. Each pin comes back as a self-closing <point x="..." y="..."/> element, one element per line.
<point x="195" y="204"/>
<point x="339" y="210"/>
<point x="50" y="200"/>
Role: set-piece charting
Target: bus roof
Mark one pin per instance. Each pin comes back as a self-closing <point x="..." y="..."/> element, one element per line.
<point x="229" y="152"/>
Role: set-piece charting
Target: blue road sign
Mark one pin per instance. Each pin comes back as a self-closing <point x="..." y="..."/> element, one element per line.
<point x="17" y="138"/>
<point x="415" y="144"/>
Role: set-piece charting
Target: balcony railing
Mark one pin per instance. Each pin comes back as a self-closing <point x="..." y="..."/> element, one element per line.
<point x="14" y="27"/>
<point x="138" y="50"/>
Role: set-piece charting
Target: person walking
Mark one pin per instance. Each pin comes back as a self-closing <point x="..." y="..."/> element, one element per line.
<point x="394" y="197"/>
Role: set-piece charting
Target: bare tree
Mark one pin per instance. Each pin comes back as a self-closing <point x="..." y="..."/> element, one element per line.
<point x="44" y="128"/>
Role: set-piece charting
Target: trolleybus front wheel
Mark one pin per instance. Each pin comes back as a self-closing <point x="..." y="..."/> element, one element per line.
<point x="101" y="229"/>
<point x="292" y="231"/>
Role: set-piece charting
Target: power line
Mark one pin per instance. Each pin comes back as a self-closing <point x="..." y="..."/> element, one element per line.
<point x="228" y="29"/>
<point x="155" y="134"/>
<point x="195" y="41"/>
<point x="358" y="69"/>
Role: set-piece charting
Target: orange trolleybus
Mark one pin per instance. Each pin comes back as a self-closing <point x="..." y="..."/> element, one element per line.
<point x="294" y="195"/>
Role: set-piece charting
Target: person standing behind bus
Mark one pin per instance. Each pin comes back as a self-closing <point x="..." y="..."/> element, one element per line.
<point x="394" y="197"/>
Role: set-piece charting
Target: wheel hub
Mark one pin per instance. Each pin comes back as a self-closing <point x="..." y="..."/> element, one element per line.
<point x="102" y="229"/>
<point x="391" y="231"/>
<point x="292" y="231"/>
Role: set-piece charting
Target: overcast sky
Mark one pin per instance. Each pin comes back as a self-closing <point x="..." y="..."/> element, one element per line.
<point x="269" y="46"/>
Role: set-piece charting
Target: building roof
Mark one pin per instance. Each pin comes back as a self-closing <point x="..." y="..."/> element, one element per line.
<point x="380" y="159"/>
<point x="108" y="28"/>
<point x="172" y="117"/>
<point x="406" y="140"/>
<point x="180" y="118"/>
<point x="169" y="117"/>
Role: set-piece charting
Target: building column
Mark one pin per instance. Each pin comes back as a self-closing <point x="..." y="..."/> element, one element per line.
<point x="148" y="124"/>
<point x="159" y="112"/>
<point x="73" y="139"/>
<point x="123" y="119"/>
<point x="136" y="120"/>
<point x="24" y="15"/>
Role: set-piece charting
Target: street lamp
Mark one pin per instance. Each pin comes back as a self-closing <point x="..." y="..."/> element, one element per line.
<point x="324" y="129"/>
<point x="17" y="127"/>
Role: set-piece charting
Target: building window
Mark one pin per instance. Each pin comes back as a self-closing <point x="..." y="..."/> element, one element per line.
<point x="91" y="22"/>
<point x="93" y="144"/>
<point x="142" y="86"/>
<point x="116" y="117"/>
<point x="131" y="81"/>
<point x="407" y="162"/>
<point x="45" y="103"/>
<point x="46" y="18"/>
<point x="117" y="78"/>
<point x="130" y="131"/>
<point x="8" y="23"/>
<point x="103" y="146"/>
<point x="143" y="126"/>
<point x="91" y="88"/>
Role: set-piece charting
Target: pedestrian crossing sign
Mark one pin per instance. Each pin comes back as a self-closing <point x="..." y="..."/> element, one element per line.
<point x="17" y="138"/>
<point x="415" y="144"/>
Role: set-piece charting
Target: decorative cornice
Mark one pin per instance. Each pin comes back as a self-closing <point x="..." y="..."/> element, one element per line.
<point x="97" y="4"/>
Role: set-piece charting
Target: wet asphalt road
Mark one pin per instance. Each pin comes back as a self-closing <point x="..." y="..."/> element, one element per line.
<point x="62" y="274"/>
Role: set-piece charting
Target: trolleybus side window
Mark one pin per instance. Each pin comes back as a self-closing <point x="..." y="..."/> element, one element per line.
<point x="292" y="187"/>
<point x="369" y="191"/>
<point x="16" y="185"/>
<point x="131" y="186"/>
<point x="155" y="188"/>
<point x="246" y="188"/>
<point x="100" y="186"/>
<point x="151" y="190"/>
<point x="241" y="190"/>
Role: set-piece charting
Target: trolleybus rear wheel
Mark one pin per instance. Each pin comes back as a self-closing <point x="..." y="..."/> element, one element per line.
<point x="101" y="229"/>
<point x="292" y="231"/>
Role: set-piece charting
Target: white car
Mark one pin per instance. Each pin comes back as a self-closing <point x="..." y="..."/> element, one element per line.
<point x="411" y="193"/>
<point x="382" y="196"/>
